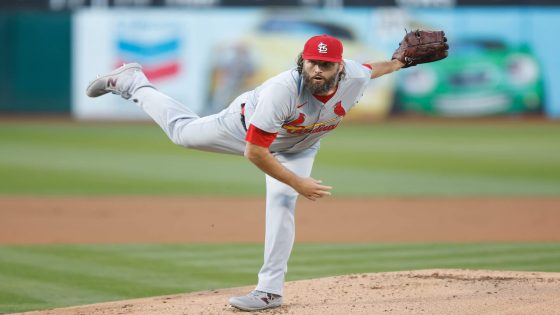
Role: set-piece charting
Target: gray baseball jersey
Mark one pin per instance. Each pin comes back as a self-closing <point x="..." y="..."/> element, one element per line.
<point x="281" y="105"/>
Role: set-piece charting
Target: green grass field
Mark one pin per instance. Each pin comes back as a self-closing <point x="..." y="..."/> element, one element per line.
<point x="39" y="277"/>
<point x="483" y="159"/>
<point x="379" y="160"/>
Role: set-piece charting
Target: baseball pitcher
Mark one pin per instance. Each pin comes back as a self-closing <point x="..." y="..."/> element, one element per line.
<point x="278" y="127"/>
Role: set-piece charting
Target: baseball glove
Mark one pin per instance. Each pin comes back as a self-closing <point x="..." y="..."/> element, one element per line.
<point x="421" y="47"/>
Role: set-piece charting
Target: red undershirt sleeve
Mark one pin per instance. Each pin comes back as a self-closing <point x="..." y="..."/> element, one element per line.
<point x="259" y="137"/>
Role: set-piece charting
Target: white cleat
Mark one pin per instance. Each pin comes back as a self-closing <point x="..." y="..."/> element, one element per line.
<point x="123" y="81"/>
<point x="255" y="301"/>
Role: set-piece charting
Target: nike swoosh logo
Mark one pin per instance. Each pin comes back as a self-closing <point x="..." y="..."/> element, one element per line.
<point x="301" y="105"/>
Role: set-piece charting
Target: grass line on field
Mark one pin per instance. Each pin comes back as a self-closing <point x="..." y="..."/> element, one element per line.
<point x="419" y="262"/>
<point x="405" y="252"/>
<point x="500" y="159"/>
<point x="129" y="270"/>
<point x="78" y="274"/>
<point x="48" y="293"/>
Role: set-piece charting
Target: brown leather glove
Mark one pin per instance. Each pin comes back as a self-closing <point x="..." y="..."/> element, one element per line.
<point x="421" y="47"/>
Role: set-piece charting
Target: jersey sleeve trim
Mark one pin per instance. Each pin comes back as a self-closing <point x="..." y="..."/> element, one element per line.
<point x="260" y="137"/>
<point x="367" y="65"/>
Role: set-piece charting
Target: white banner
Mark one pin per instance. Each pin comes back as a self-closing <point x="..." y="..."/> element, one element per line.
<point x="173" y="48"/>
<point x="205" y="58"/>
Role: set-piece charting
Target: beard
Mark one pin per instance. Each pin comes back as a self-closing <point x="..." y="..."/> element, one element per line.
<point x="317" y="87"/>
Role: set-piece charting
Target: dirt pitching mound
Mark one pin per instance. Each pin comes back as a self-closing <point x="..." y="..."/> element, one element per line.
<point x="411" y="292"/>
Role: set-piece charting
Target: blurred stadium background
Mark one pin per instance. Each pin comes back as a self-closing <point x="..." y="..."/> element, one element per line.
<point x="502" y="61"/>
<point x="483" y="122"/>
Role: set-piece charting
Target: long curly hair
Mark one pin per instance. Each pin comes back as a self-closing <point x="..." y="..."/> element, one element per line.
<point x="299" y="68"/>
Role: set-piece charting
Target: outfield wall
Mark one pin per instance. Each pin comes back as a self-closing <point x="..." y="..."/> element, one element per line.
<point x="204" y="57"/>
<point x="501" y="59"/>
<point x="35" y="61"/>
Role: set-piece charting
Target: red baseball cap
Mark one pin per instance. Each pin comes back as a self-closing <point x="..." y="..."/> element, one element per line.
<point x="323" y="47"/>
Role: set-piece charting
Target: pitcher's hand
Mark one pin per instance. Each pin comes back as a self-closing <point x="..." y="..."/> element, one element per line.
<point x="311" y="188"/>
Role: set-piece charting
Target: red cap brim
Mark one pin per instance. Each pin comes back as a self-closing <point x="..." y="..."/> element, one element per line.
<point x="322" y="58"/>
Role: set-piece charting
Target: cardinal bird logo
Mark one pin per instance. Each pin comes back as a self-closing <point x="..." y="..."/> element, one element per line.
<point x="339" y="110"/>
<point x="295" y="124"/>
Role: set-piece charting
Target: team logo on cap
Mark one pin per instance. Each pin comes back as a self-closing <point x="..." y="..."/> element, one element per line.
<point x="322" y="48"/>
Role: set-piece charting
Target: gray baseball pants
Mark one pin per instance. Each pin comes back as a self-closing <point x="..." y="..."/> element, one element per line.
<point x="224" y="133"/>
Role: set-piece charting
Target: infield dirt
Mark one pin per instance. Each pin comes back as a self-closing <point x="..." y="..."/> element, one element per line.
<point x="51" y="220"/>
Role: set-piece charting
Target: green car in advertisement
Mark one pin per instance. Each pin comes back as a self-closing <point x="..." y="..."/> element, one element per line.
<point x="479" y="78"/>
